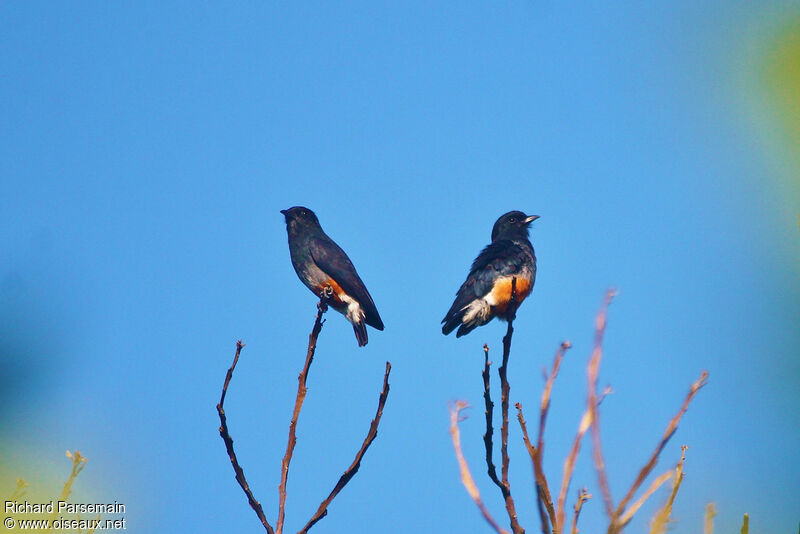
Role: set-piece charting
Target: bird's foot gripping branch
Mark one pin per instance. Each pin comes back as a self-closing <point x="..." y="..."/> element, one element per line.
<point x="349" y="473"/>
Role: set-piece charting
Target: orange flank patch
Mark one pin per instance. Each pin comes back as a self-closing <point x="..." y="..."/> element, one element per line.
<point x="500" y="295"/>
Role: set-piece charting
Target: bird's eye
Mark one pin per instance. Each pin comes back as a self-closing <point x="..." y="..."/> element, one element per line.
<point x="512" y="220"/>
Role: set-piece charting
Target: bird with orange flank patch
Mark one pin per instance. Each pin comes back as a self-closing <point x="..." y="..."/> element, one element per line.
<point x="327" y="271"/>
<point x="486" y="293"/>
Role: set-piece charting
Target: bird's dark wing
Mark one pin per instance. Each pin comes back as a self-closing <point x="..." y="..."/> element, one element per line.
<point x="333" y="261"/>
<point x="500" y="258"/>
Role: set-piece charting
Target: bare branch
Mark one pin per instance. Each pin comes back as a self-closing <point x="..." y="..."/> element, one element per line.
<point x="746" y="524"/>
<point x="661" y="518"/>
<point x="322" y="307"/>
<point x="505" y="389"/>
<point x="78" y="463"/>
<point x="569" y="463"/>
<point x="542" y="488"/>
<point x="670" y="430"/>
<point x="487" y="437"/>
<point x="583" y="496"/>
<point x="548" y="388"/>
<point x="226" y="437"/>
<point x="711" y="512"/>
<point x="593" y="372"/>
<point x="628" y="515"/>
<point x="544" y="500"/>
<point x="322" y="511"/>
<point x="466" y="477"/>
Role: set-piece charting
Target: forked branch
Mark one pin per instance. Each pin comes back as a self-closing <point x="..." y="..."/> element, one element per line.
<point x="505" y="487"/>
<point x="553" y="519"/>
<point x="301" y="394"/>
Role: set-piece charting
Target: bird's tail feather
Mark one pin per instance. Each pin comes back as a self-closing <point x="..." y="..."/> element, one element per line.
<point x="451" y="322"/>
<point x="360" y="328"/>
<point x="466" y="328"/>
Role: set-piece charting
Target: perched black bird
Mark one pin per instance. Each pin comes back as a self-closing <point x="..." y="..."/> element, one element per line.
<point x="327" y="271"/>
<point x="486" y="292"/>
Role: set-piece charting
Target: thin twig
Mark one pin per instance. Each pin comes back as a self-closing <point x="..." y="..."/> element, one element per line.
<point x="466" y="477"/>
<point x="670" y="430"/>
<point x="543" y="498"/>
<point x="569" y="463"/>
<point x="593" y="371"/>
<point x="543" y="519"/>
<point x="746" y="524"/>
<point x="542" y="488"/>
<point x="322" y="307"/>
<point x="548" y="388"/>
<point x="226" y="437"/>
<point x="661" y="518"/>
<point x="505" y="389"/>
<point x="628" y="515"/>
<point x="487" y="437"/>
<point x="711" y="511"/>
<point x="78" y="463"/>
<point x="583" y="496"/>
<point x="322" y="511"/>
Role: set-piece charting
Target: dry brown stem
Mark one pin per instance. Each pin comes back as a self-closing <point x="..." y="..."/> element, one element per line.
<point x="226" y="437"/>
<point x="487" y="436"/>
<point x="349" y="473"/>
<point x="505" y="390"/>
<point x="583" y="496"/>
<point x="543" y="500"/>
<point x="711" y="511"/>
<point x="554" y="519"/>
<point x="625" y="519"/>
<point x="548" y="388"/>
<point x="466" y="476"/>
<point x="668" y="433"/>
<point x="322" y="511"/>
<point x="322" y="307"/>
<point x="569" y="464"/>
<point x="661" y="519"/>
<point x="592" y="401"/>
<point x="542" y="488"/>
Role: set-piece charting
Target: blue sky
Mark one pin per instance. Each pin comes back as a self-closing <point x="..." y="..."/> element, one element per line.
<point x="146" y="150"/>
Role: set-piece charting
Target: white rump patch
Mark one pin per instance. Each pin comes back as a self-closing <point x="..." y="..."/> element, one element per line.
<point x="354" y="312"/>
<point x="476" y="312"/>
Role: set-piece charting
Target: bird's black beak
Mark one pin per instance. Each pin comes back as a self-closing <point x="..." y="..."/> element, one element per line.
<point x="530" y="219"/>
